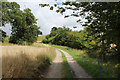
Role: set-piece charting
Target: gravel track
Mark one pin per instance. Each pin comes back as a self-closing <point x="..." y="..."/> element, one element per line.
<point x="76" y="69"/>
<point x="55" y="69"/>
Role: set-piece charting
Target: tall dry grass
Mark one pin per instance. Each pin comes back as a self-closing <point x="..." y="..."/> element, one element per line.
<point x="25" y="62"/>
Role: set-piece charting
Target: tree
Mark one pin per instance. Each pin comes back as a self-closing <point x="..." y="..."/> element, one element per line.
<point x="2" y="35"/>
<point x="65" y="37"/>
<point x="24" y="28"/>
<point x="101" y="18"/>
<point x="8" y="10"/>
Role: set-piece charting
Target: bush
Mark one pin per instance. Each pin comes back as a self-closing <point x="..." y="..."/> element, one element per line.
<point x="45" y="41"/>
<point x="6" y="39"/>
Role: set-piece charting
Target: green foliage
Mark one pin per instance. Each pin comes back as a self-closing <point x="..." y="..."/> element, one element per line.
<point x="24" y="28"/>
<point x="102" y="26"/>
<point x="2" y="35"/>
<point x="41" y="38"/>
<point x="102" y="29"/>
<point x="64" y="36"/>
<point x="6" y="39"/>
<point x="102" y="18"/>
<point x="90" y="65"/>
<point x="74" y="39"/>
<point x="51" y="8"/>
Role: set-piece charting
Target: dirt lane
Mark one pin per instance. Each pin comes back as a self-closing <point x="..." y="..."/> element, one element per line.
<point x="55" y="69"/>
<point x="77" y="71"/>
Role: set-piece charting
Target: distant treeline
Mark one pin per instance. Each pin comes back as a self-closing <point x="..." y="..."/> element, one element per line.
<point x="101" y="36"/>
<point x="83" y="39"/>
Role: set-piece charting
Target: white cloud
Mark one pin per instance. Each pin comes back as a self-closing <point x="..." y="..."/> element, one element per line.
<point x="7" y="29"/>
<point x="47" y="18"/>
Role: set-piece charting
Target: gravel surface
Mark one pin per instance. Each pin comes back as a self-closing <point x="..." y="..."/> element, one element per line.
<point x="76" y="69"/>
<point x="55" y="69"/>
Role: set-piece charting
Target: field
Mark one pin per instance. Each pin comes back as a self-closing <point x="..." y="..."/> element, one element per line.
<point x="40" y="38"/>
<point x="37" y="44"/>
<point x="7" y="44"/>
<point x="25" y="61"/>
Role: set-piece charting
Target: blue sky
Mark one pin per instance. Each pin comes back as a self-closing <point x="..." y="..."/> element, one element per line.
<point x="46" y="18"/>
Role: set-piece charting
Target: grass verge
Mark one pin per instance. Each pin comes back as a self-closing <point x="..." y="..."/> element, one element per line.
<point x="90" y="65"/>
<point x="65" y="69"/>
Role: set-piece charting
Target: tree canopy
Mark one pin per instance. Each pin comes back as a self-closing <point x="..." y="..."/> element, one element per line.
<point x="101" y="27"/>
<point x="24" y="28"/>
<point x="2" y="35"/>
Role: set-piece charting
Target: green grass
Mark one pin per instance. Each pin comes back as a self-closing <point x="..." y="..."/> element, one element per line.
<point x="7" y="44"/>
<point x="90" y="65"/>
<point x="65" y="69"/>
<point x="40" y="38"/>
<point x="36" y="44"/>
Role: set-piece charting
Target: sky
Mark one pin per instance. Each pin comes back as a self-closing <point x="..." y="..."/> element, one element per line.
<point x="46" y="17"/>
